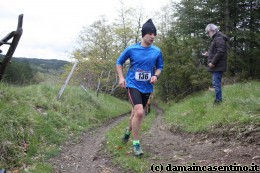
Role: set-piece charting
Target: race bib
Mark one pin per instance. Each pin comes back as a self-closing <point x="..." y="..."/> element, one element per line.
<point x="143" y="75"/>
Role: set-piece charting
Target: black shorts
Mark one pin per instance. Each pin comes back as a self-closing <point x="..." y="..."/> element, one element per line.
<point x="137" y="97"/>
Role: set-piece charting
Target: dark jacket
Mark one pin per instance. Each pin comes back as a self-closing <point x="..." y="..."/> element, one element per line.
<point x="217" y="53"/>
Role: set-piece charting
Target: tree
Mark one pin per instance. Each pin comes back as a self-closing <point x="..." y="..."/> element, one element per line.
<point x="96" y="41"/>
<point x="182" y="38"/>
<point x="181" y="75"/>
<point x="19" y="73"/>
<point x="238" y="19"/>
<point x="245" y="21"/>
<point x="128" y="25"/>
<point x="99" y="46"/>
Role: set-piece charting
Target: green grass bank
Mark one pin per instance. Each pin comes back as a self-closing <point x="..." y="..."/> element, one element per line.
<point x="239" y="111"/>
<point x="34" y="123"/>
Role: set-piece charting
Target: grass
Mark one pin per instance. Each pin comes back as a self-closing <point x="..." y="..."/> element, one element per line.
<point x="34" y="123"/>
<point x="196" y="113"/>
<point x="241" y="106"/>
<point x="123" y="152"/>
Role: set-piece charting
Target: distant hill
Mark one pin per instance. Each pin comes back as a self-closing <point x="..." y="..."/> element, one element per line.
<point x="32" y="70"/>
<point x="43" y="63"/>
<point x="47" y="64"/>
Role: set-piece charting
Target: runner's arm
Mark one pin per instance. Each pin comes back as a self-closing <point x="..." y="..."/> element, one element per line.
<point x="122" y="81"/>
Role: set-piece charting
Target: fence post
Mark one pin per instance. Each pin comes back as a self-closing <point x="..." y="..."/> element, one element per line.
<point x="67" y="80"/>
<point x="114" y="86"/>
<point x="99" y="81"/>
<point x="108" y="76"/>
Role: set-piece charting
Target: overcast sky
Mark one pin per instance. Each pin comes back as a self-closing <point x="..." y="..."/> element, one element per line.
<point x="50" y="27"/>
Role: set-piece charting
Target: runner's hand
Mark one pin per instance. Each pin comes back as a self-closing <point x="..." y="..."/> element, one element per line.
<point x="153" y="80"/>
<point x="122" y="82"/>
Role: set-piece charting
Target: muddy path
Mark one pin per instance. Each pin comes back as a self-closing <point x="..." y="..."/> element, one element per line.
<point x="88" y="156"/>
<point x="163" y="146"/>
<point x="182" y="149"/>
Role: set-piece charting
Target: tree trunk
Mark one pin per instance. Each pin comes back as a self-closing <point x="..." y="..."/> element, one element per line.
<point x="227" y="17"/>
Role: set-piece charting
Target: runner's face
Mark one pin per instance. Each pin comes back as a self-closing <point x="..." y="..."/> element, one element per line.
<point x="149" y="38"/>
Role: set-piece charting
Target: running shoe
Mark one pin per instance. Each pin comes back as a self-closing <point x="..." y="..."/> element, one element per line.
<point x="126" y="136"/>
<point x="137" y="149"/>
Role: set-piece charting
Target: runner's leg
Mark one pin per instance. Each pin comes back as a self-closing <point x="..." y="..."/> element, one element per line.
<point x="138" y="100"/>
<point x="130" y="122"/>
<point x="137" y="120"/>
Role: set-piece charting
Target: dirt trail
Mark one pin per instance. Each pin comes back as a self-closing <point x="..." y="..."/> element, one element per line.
<point x="162" y="146"/>
<point x="175" y="148"/>
<point x="86" y="156"/>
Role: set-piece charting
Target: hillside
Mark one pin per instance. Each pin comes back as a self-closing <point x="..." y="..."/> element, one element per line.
<point x="49" y="63"/>
<point x="43" y="134"/>
<point x="43" y="63"/>
<point x="34" y="123"/>
<point x="25" y="71"/>
<point x="191" y="134"/>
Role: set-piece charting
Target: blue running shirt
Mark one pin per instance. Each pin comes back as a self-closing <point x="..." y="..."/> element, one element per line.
<point x="143" y="63"/>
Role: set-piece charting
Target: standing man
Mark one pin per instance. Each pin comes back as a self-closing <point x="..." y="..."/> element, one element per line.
<point x="217" y="58"/>
<point x="146" y="64"/>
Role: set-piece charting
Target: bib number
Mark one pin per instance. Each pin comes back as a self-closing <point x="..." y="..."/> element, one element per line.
<point x="143" y="76"/>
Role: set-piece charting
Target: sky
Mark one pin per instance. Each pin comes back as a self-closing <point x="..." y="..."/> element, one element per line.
<point x="50" y="27"/>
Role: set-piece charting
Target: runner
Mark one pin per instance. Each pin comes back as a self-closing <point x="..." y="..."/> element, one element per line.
<point x="146" y="64"/>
